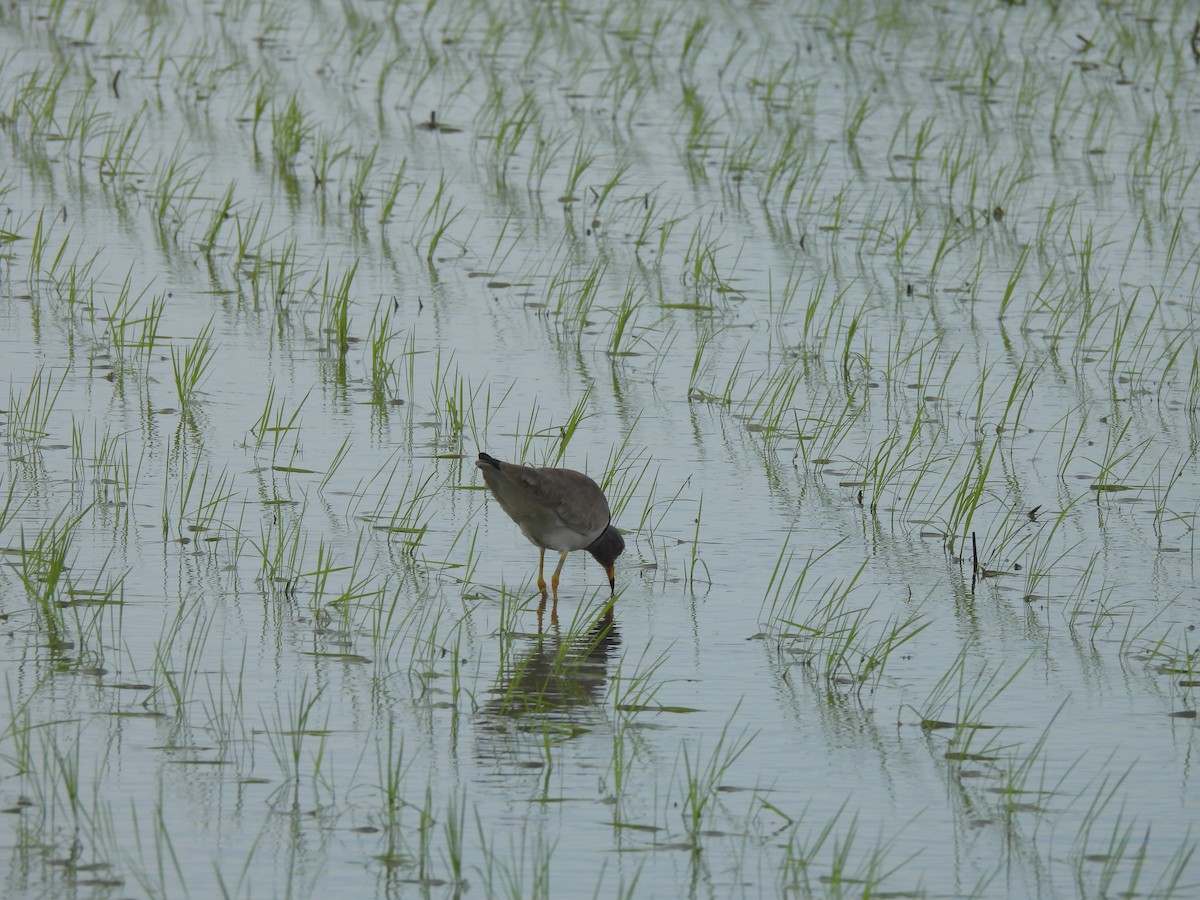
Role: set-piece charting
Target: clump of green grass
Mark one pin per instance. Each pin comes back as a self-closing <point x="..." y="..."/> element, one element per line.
<point x="191" y="365"/>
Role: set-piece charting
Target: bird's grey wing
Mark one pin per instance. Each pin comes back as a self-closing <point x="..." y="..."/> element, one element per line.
<point x="574" y="497"/>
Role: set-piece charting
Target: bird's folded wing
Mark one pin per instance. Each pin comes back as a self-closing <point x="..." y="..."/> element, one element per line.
<point x="573" y="496"/>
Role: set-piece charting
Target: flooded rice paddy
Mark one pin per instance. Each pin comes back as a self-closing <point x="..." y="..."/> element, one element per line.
<point x="877" y="322"/>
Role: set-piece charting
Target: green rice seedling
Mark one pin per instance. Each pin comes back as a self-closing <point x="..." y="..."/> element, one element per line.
<point x="393" y="769"/>
<point x="583" y="157"/>
<point x="953" y="236"/>
<point x="868" y="876"/>
<point x="849" y="649"/>
<point x="700" y="267"/>
<point x="966" y="498"/>
<point x="175" y="183"/>
<point x="914" y="146"/>
<point x="391" y="192"/>
<point x="651" y="222"/>
<point x="547" y="150"/>
<point x="455" y="402"/>
<point x="289" y="131"/>
<point x="699" y="367"/>
<point x="694" y="41"/>
<point x="283" y="274"/>
<point x="225" y="716"/>
<point x="853" y="121"/>
<point x="435" y="222"/>
<point x="741" y="158"/>
<point x="11" y="231"/>
<point x="622" y="475"/>
<point x="11" y="506"/>
<point x="38" y="246"/>
<point x="276" y="424"/>
<point x="826" y="429"/>
<point x="1117" y="850"/>
<point x="113" y="484"/>
<point x="335" y="308"/>
<point x="43" y="569"/>
<point x="358" y="197"/>
<point x="83" y="121"/>
<point x="198" y="496"/>
<point x="567" y="430"/>
<point x="1016" y="792"/>
<point x="252" y="236"/>
<point x="281" y="547"/>
<point x="615" y="179"/>
<point x="1082" y="604"/>
<point x="409" y="518"/>
<point x="163" y="875"/>
<point x="1163" y="514"/>
<point x="525" y="872"/>
<point x="799" y="859"/>
<point x="325" y="155"/>
<point x="622" y="319"/>
<point x="695" y="550"/>
<point x="702" y="780"/>
<point x="635" y="691"/>
<point x="575" y="298"/>
<point x="179" y="655"/>
<point x="76" y="287"/>
<point x="191" y="365"/>
<point x="383" y="367"/>
<point x="787" y="167"/>
<point x="958" y="702"/>
<point x="812" y="184"/>
<point x="289" y="729"/>
<point x="425" y="825"/>
<point x="774" y="404"/>
<point x="1039" y="566"/>
<point x="453" y="830"/>
<point x="29" y="415"/>
<point x="509" y="127"/>
<point x="117" y="160"/>
<point x="695" y="113"/>
<point x="138" y="334"/>
<point x="1014" y="279"/>
<point x="222" y="212"/>
<point x="1118" y="462"/>
<point x="63" y="759"/>
<point x="892" y="458"/>
<point x="78" y="466"/>
<point x="785" y="605"/>
<point x="497" y="259"/>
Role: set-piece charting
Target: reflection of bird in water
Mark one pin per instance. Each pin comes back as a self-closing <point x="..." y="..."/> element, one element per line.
<point x="557" y="509"/>
<point x="558" y="675"/>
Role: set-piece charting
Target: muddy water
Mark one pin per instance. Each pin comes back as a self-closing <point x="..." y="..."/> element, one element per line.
<point x="875" y="322"/>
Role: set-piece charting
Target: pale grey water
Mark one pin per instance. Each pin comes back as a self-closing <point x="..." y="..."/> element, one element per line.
<point x="1100" y="656"/>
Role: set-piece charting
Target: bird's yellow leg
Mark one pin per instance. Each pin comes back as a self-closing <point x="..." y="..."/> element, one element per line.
<point x="541" y="564"/>
<point x="557" y="570"/>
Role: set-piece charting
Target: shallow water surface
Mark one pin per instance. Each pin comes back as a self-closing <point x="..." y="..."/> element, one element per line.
<point x="875" y="321"/>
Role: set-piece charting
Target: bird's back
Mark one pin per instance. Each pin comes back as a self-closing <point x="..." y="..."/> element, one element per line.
<point x="559" y="509"/>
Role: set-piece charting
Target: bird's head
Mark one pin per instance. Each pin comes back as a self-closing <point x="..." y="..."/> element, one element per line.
<point x="606" y="549"/>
